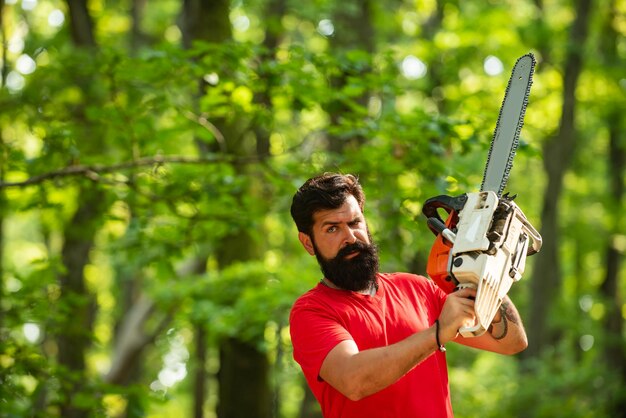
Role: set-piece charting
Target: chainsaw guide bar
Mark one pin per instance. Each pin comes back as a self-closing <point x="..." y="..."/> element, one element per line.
<point x="510" y="121"/>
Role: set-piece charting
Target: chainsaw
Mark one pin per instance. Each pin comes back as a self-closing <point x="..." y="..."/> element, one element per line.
<point x="485" y="237"/>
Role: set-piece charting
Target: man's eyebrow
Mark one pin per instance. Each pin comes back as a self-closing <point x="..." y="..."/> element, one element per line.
<point x="331" y="222"/>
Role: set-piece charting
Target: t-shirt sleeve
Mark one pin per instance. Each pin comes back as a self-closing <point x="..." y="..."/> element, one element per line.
<point x="439" y="295"/>
<point x="434" y="296"/>
<point x="314" y="332"/>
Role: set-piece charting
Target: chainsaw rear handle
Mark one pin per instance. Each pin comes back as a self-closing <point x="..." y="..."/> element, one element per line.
<point x="452" y="205"/>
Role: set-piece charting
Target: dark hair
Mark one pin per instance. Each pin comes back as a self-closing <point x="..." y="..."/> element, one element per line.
<point x="328" y="191"/>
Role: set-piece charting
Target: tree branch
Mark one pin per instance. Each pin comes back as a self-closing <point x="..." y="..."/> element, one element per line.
<point x="93" y="171"/>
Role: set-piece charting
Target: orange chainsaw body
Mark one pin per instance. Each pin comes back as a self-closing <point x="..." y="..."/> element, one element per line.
<point x="439" y="259"/>
<point x="438" y="266"/>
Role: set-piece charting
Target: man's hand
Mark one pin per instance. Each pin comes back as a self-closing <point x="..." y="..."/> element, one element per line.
<point x="457" y="312"/>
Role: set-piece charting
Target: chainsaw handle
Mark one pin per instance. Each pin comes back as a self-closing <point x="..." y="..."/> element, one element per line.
<point x="452" y="205"/>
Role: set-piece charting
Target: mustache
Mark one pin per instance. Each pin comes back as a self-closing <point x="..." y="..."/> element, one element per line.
<point x="350" y="248"/>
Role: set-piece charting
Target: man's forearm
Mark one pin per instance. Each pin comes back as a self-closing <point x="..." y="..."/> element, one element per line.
<point x="506" y="335"/>
<point x="367" y="372"/>
<point x="357" y="374"/>
<point x="508" y="328"/>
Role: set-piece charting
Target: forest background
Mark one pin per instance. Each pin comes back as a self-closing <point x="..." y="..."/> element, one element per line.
<point x="149" y="152"/>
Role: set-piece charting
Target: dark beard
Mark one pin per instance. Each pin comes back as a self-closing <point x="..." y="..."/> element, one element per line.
<point x="357" y="273"/>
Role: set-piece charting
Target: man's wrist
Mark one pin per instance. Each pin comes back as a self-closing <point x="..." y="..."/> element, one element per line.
<point x="440" y="345"/>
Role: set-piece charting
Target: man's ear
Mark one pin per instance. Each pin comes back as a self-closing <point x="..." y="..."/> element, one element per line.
<point x="307" y="243"/>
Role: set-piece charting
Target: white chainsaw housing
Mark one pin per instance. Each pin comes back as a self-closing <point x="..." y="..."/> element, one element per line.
<point x="492" y="241"/>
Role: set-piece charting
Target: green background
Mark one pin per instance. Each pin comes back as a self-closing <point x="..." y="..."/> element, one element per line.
<point x="149" y="152"/>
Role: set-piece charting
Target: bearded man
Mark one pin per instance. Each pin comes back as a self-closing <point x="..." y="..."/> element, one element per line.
<point x="371" y="344"/>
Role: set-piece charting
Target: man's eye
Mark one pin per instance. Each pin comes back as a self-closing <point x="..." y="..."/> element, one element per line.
<point x="331" y="229"/>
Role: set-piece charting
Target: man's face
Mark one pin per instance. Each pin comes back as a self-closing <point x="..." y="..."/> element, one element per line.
<point x="343" y="246"/>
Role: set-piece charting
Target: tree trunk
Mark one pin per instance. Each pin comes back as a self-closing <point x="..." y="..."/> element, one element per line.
<point x="244" y="389"/>
<point x="353" y="31"/>
<point x="206" y="20"/>
<point x="79" y="307"/>
<point x="4" y="69"/>
<point x="81" y="24"/>
<point x="419" y="260"/>
<point x="77" y="304"/>
<point x="610" y="289"/>
<point x="200" y="374"/>
<point x="136" y="35"/>
<point x="274" y="30"/>
<point x="201" y="347"/>
<point x="430" y="29"/>
<point x="614" y="347"/>
<point x="3" y="211"/>
<point x="310" y="407"/>
<point x="240" y="361"/>
<point x="243" y="377"/>
<point x="540" y="33"/>
<point x="558" y="153"/>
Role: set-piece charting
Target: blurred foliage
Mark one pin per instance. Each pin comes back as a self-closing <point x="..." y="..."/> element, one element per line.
<point x="128" y="121"/>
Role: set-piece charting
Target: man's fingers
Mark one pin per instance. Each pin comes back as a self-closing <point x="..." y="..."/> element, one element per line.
<point x="461" y="300"/>
<point x="465" y="292"/>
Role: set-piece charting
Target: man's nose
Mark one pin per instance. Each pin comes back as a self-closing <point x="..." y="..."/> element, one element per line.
<point x="350" y="237"/>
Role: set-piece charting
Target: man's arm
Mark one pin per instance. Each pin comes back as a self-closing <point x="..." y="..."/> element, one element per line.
<point x="506" y="335"/>
<point x="357" y="374"/>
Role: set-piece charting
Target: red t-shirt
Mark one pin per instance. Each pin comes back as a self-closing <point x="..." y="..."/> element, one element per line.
<point x="404" y="304"/>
